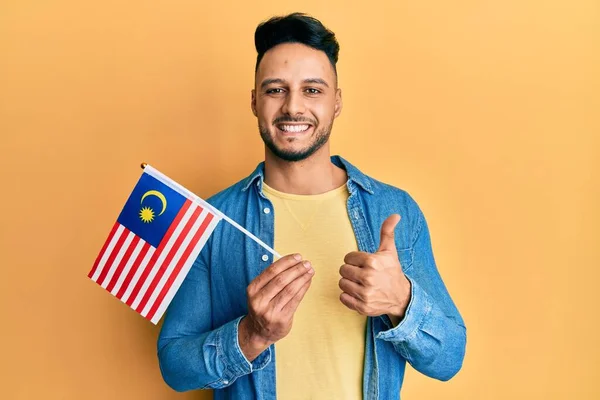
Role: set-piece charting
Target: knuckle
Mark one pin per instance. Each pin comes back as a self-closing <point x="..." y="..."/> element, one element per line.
<point x="285" y="292"/>
<point x="366" y="309"/>
<point x="361" y="308"/>
<point x="288" y="290"/>
<point x="368" y="280"/>
<point x="252" y="307"/>
<point x="255" y="302"/>
<point x="279" y="281"/>
<point x="365" y="295"/>
<point x="273" y="270"/>
<point x="371" y="261"/>
<point x="368" y="294"/>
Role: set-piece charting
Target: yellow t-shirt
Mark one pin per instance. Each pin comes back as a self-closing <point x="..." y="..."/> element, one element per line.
<point x="323" y="355"/>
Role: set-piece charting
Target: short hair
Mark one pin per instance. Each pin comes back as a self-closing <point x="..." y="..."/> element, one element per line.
<point x="296" y="28"/>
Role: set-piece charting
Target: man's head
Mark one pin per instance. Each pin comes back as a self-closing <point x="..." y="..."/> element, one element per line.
<point x="296" y="97"/>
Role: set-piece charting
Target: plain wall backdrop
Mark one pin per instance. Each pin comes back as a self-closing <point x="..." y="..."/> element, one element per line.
<point x="487" y="112"/>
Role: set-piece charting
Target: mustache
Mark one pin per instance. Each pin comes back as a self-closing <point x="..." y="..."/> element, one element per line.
<point x="287" y="118"/>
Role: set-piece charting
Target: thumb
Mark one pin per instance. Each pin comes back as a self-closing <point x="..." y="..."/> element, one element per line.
<point x="386" y="242"/>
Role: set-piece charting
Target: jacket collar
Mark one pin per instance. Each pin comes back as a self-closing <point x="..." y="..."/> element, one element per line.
<point x="354" y="175"/>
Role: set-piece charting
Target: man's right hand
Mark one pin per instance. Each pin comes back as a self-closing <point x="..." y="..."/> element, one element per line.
<point x="273" y="298"/>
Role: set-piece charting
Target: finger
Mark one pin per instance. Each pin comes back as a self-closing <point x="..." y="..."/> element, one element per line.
<point x="357" y="258"/>
<point x="288" y="292"/>
<point x="352" y="272"/>
<point x="386" y="242"/>
<point x="292" y="305"/>
<point x="352" y="288"/>
<point x="351" y="302"/>
<point x="279" y="282"/>
<point x="273" y="270"/>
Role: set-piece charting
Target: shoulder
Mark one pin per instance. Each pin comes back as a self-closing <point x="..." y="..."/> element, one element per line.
<point x="238" y="192"/>
<point x="400" y="197"/>
<point x="227" y="195"/>
<point x="378" y="194"/>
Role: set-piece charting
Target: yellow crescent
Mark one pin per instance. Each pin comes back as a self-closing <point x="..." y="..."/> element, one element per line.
<point x="160" y="196"/>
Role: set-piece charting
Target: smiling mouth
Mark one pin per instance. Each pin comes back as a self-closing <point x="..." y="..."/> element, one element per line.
<point x="293" y="128"/>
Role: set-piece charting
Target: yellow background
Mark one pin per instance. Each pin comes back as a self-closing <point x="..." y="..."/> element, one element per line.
<point x="487" y="112"/>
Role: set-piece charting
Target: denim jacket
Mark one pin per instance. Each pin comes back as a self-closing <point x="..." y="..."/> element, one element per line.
<point x="198" y="343"/>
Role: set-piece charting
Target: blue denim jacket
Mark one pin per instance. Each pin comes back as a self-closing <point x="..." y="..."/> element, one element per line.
<point x="198" y="344"/>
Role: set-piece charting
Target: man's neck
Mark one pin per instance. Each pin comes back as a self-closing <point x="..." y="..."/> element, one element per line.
<point x="315" y="175"/>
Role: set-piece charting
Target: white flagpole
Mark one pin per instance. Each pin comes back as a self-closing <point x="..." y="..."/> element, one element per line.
<point x="187" y="193"/>
<point x="249" y="234"/>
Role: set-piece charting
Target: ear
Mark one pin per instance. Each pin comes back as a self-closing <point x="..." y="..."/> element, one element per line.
<point x="338" y="103"/>
<point x="253" y="102"/>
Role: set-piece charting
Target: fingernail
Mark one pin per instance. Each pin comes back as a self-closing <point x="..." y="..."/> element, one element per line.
<point x="311" y="271"/>
<point x="306" y="264"/>
<point x="297" y="257"/>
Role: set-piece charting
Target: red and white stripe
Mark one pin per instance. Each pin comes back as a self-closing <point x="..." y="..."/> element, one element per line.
<point x="144" y="277"/>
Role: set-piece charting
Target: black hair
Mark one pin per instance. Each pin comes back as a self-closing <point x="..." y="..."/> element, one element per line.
<point x="296" y="28"/>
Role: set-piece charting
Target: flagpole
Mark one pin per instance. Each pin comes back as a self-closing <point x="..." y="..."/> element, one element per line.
<point x="249" y="234"/>
<point x="223" y="216"/>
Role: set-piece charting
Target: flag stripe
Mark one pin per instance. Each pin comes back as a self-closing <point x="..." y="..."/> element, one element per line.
<point x="113" y="254"/>
<point x="115" y="263"/>
<point x="110" y="235"/>
<point x="158" y="252"/>
<point x="111" y="244"/>
<point x="132" y="259"/>
<point x="137" y="271"/>
<point x="173" y="263"/>
<point x="171" y="246"/>
<point x="126" y="258"/>
<point x="136" y="263"/>
<point x="180" y="265"/>
<point x="162" y="307"/>
<point x="180" y="241"/>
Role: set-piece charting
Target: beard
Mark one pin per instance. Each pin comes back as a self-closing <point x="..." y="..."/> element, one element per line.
<point x="320" y="138"/>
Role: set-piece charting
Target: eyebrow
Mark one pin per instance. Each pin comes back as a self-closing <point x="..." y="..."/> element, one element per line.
<point x="271" y="81"/>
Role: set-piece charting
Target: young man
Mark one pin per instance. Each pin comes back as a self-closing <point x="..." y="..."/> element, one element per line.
<point x="358" y="293"/>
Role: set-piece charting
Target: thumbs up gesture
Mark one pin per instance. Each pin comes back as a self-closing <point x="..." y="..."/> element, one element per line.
<point x="374" y="284"/>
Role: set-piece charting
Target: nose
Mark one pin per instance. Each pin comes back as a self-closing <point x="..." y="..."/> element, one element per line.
<point x="294" y="104"/>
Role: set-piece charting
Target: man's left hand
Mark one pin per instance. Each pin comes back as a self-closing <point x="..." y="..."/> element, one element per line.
<point x="374" y="284"/>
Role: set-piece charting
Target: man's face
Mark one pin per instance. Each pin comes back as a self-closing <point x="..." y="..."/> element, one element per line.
<point x="295" y="100"/>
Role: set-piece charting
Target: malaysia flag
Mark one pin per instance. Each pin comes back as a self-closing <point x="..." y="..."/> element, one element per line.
<point x="153" y="244"/>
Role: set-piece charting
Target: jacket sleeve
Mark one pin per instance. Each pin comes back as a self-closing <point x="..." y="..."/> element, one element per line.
<point x="191" y="354"/>
<point x="432" y="334"/>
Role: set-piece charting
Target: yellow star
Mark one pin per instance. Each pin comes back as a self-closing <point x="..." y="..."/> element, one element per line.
<point x="147" y="215"/>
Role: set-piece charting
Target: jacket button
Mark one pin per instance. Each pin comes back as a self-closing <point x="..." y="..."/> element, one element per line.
<point x="266" y="210"/>
<point x="265" y="257"/>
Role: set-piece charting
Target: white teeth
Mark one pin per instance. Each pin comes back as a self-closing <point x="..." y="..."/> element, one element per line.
<point x="294" y="128"/>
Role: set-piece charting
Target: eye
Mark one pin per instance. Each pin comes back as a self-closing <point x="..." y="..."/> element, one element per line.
<point x="313" y="91"/>
<point x="274" y="91"/>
